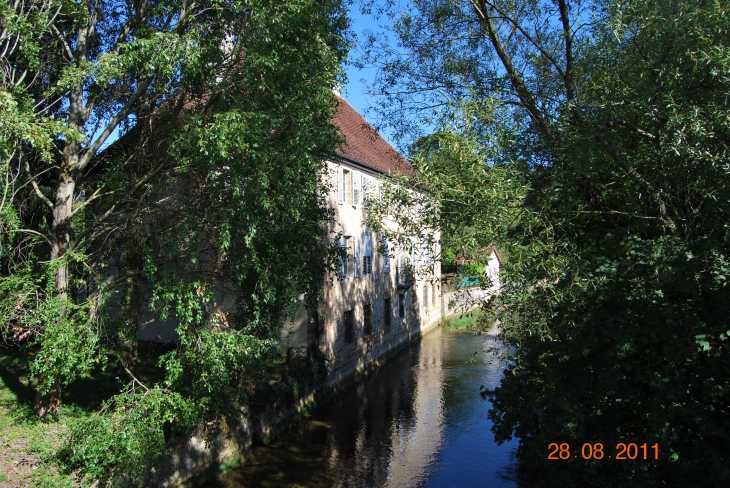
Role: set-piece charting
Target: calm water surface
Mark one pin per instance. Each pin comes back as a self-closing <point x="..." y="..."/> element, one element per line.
<point x="417" y="422"/>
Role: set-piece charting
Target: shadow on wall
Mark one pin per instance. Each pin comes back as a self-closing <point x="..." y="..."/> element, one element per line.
<point x="368" y="318"/>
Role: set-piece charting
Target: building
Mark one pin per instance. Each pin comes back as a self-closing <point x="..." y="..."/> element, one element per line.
<point x="377" y="303"/>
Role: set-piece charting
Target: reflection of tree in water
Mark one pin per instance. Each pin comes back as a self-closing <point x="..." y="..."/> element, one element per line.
<point x="482" y="369"/>
<point x="395" y="429"/>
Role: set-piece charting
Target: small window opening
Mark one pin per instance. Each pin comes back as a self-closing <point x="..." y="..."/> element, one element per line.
<point x="387" y="312"/>
<point x="368" y="319"/>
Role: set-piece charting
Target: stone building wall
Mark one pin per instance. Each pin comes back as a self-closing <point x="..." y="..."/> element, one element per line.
<point x="356" y="291"/>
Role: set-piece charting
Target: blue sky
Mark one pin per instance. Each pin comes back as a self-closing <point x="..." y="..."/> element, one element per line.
<point x="356" y="91"/>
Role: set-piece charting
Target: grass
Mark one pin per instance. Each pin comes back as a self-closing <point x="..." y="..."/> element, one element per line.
<point x="28" y="444"/>
<point x="464" y="321"/>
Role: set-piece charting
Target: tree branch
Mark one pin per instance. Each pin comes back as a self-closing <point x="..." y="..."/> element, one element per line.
<point x="527" y="36"/>
<point x="111" y="209"/>
<point x="631" y="171"/>
<point x="90" y="151"/>
<point x="568" y="35"/>
<point x="526" y="98"/>
<point x="638" y="130"/>
<point x="135" y="380"/>
<point x="35" y="187"/>
<point x="59" y="37"/>
<point x="29" y="231"/>
<point x="94" y="196"/>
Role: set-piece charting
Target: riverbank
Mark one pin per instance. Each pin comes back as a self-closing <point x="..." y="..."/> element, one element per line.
<point x="29" y="444"/>
<point x="416" y="421"/>
<point x="472" y="320"/>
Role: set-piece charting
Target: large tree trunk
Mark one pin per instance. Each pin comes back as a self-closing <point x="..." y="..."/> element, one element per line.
<point x="61" y="230"/>
<point x="50" y="402"/>
<point x="60" y="237"/>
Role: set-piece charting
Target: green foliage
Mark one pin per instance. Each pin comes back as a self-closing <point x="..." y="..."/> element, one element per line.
<point x="474" y="321"/>
<point x="212" y="194"/>
<point x="28" y="441"/>
<point x="473" y="269"/>
<point x="604" y="145"/>
<point x="129" y="435"/>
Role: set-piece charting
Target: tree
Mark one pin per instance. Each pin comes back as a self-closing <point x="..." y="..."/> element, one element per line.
<point x="608" y="122"/>
<point x="222" y="117"/>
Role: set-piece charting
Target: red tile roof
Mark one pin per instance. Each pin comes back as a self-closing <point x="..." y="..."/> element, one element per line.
<point x="364" y="144"/>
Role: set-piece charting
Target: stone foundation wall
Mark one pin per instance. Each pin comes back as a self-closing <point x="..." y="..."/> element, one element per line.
<point x="196" y="460"/>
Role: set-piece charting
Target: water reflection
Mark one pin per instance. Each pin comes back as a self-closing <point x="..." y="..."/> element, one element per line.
<point x="418" y="421"/>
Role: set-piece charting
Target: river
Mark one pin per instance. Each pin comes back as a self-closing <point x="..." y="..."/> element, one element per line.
<point x="418" y="421"/>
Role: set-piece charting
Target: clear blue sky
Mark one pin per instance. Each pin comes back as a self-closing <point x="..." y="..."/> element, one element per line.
<point x="356" y="89"/>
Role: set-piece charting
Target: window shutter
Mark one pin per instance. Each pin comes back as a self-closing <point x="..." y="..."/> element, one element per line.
<point x="386" y="256"/>
<point x="414" y="254"/>
<point x="340" y="185"/>
<point x="367" y="261"/>
<point x="356" y="188"/>
<point x="401" y="275"/>
<point x="358" y="263"/>
<point x="425" y="252"/>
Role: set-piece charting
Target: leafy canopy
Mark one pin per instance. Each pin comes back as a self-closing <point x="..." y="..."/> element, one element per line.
<point x="589" y="140"/>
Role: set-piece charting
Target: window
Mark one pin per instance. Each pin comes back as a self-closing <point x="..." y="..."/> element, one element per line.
<point x="349" y="186"/>
<point x="401" y="305"/>
<point x="404" y="271"/>
<point x="433" y="296"/>
<point x="347" y="322"/>
<point x="367" y="319"/>
<point x="367" y="254"/>
<point x="387" y="312"/>
<point x="425" y="295"/>
<point x="367" y="265"/>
